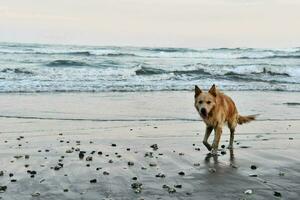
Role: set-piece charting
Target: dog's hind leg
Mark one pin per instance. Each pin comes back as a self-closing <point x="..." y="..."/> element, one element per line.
<point x="232" y="130"/>
<point x="206" y="136"/>
<point x="230" y="146"/>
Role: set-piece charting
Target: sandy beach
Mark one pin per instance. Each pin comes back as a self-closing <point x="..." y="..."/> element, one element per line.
<point x="145" y="145"/>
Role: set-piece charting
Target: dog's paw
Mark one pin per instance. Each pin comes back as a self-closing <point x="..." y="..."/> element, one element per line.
<point x="214" y="152"/>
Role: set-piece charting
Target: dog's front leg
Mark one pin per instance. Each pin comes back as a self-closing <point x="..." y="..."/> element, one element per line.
<point x="215" y="145"/>
<point x="207" y="134"/>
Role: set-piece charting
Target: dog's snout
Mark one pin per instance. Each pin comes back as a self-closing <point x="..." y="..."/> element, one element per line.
<point x="203" y="111"/>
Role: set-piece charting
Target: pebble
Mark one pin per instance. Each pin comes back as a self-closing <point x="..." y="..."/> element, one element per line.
<point x="1" y="173"/>
<point x="11" y="174"/>
<point x="113" y="145"/>
<point x="130" y="163"/>
<point x="128" y="149"/>
<point x="137" y="187"/>
<point x="181" y="154"/>
<point x="110" y="161"/>
<point x="27" y="156"/>
<point x="3" y="188"/>
<point x="277" y="194"/>
<point x="35" y="194"/>
<point x="253" y="167"/>
<point x="69" y="151"/>
<point x="181" y="173"/>
<point x="178" y="186"/>
<point x="223" y="146"/>
<point x="252" y="175"/>
<point x="248" y="192"/>
<point x="18" y="156"/>
<point x="160" y="175"/>
<point x="148" y="154"/>
<point x="89" y="158"/>
<point x="66" y="190"/>
<point x="134" y="178"/>
<point x="105" y="173"/>
<point x="223" y="151"/>
<point x="100" y="153"/>
<point x="171" y="190"/>
<point x="196" y="164"/>
<point x="152" y="164"/>
<point x="154" y="147"/>
<point x="13" y="180"/>
<point x="197" y="149"/>
<point x="93" y="181"/>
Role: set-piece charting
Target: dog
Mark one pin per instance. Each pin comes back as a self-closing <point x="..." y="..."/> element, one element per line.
<point x="216" y="109"/>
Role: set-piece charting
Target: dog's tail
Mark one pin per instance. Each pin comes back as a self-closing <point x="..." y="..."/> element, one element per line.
<point x="246" y="119"/>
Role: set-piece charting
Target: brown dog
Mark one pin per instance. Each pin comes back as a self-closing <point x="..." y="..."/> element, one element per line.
<point x="217" y="109"/>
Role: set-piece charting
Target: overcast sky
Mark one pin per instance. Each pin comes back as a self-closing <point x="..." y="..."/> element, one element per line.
<point x="176" y="23"/>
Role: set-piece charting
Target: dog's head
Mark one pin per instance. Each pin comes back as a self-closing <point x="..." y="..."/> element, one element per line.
<point x="205" y="101"/>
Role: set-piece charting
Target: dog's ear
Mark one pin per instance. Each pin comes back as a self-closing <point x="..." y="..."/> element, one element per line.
<point x="213" y="90"/>
<point x="197" y="91"/>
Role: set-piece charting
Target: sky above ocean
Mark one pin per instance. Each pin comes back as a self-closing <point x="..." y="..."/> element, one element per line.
<point x="169" y="23"/>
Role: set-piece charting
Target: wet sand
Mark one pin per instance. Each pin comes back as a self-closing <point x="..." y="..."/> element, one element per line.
<point x="145" y="146"/>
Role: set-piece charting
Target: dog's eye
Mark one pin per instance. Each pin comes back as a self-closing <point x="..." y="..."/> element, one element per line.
<point x="200" y="102"/>
<point x="208" y="102"/>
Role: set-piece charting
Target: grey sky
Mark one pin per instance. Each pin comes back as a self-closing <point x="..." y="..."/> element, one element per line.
<point x="184" y="23"/>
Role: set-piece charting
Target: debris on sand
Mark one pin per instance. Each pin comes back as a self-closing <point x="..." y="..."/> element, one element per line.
<point x="277" y="194"/>
<point x="81" y="155"/>
<point x="252" y="175"/>
<point x="149" y="154"/>
<point x="160" y="175"/>
<point x="223" y="151"/>
<point x="169" y="189"/>
<point x="69" y="151"/>
<point x="3" y="188"/>
<point x="154" y="147"/>
<point x="178" y="186"/>
<point x="152" y="164"/>
<point x="248" y="192"/>
<point x="253" y="167"/>
<point x="93" y="181"/>
<point x="35" y="194"/>
<point x="105" y="173"/>
<point x="89" y="158"/>
<point x="18" y="156"/>
<point x="181" y="173"/>
<point x="137" y="187"/>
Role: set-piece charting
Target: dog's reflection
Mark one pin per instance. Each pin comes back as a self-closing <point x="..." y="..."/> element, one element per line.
<point x="214" y="157"/>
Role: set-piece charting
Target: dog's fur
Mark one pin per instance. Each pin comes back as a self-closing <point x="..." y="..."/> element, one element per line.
<point x="216" y="110"/>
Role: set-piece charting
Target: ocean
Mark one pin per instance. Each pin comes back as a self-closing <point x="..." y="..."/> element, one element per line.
<point x="31" y="68"/>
